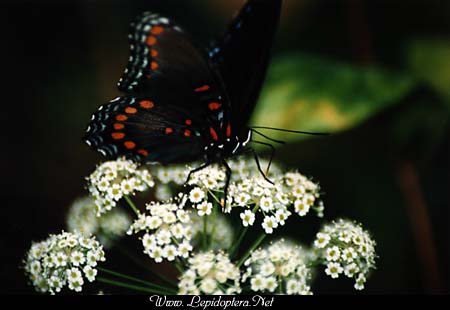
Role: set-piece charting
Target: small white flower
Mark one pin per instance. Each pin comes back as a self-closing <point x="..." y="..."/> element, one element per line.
<point x="242" y="199"/>
<point x="333" y="253"/>
<point x="266" y="204"/>
<point x="248" y="218"/>
<point x="90" y="273"/>
<point x="204" y="208"/>
<point x="351" y="270"/>
<point x="163" y="236"/>
<point x="271" y="284"/>
<point x="170" y="252"/>
<point x="267" y="269"/>
<point x="208" y="285"/>
<point x="333" y="270"/>
<point x="301" y="208"/>
<point x="196" y="195"/>
<point x="153" y="222"/>
<point x="321" y="240"/>
<point x="270" y="222"/>
<point x="169" y="218"/>
<point x="292" y="287"/>
<point x="258" y="283"/>
<point x="348" y="254"/>
<point x="281" y="216"/>
<point x="77" y="258"/>
<point x="184" y="249"/>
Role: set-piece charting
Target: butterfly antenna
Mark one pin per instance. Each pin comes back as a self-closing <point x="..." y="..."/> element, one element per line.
<point x="291" y="131"/>
<point x="268" y="138"/>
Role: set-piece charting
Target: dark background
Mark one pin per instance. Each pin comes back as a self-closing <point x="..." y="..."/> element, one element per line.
<point x="61" y="59"/>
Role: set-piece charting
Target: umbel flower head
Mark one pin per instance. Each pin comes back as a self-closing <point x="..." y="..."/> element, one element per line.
<point x="210" y="273"/>
<point x="114" y="179"/>
<point x="279" y="268"/>
<point x="291" y="193"/>
<point x="67" y="259"/>
<point x="346" y="248"/>
<point x="170" y="178"/>
<point x="82" y="217"/>
<point x="167" y="231"/>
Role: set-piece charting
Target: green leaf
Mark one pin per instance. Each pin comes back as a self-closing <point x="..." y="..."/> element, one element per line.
<point x="307" y="93"/>
<point x="429" y="60"/>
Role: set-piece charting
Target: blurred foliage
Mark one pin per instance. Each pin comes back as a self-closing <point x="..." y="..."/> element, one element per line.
<point x="307" y="93"/>
<point x="430" y="61"/>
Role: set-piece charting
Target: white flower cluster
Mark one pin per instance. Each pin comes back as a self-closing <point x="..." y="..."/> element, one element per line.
<point x="281" y="267"/>
<point x="64" y="259"/>
<point x="346" y="248"/>
<point x="82" y="217"/>
<point x="291" y="192"/>
<point x="170" y="177"/>
<point x="210" y="273"/>
<point x="167" y="231"/>
<point x="114" y="179"/>
<point x="219" y="232"/>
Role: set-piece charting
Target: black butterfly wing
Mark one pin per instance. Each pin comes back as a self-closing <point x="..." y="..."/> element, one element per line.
<point x="243" y="55"/>
<point x="169" y="91"/>
<point x="146" y="129"/>
<point x="163" y="56"/>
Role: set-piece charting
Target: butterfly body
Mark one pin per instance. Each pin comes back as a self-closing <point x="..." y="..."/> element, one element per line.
<point x="181" y="103"/>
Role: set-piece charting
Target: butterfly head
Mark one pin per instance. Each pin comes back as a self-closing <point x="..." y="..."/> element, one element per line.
<point x="221" y="149"/>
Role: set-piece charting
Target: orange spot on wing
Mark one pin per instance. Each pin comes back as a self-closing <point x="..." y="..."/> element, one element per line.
<point x="121" y="117"/>
<point x="214" y="106"/>
<point x="228" y="132"/>
<point x="202" y="89"/>
<point x="118" y="126"/>
<point x="187" y="133"/>
<point x="151" y="40"/>
<point x="146" y="104"/>
<point x="129" y="145"/>
<point x="154" y="53"/>
<point x="130" y="110"/>
<point x="142" y="152"/>
<point x="188" y="122"/>
<point x="157" y="30"/>
<point x="118" y="135"/>
<point x="213" y="134"/>
<point x="169" y="130"/>
<point x="154" y="65"/>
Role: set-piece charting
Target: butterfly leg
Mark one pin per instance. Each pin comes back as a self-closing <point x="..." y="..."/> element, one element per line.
<point x="189" y="177"/>
<point x="227" y="182"/>
<point x="197" y="170"/>
<point x="272" y="153"/>
<point x="259" y="167"/>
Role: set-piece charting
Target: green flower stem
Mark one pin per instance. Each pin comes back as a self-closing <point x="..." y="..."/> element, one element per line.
<point x="205" y="233"/>
<point x="214" y="223"/>
<point x="138" y="262"/>
<point x="252" y="248"/>
<point x="130" y="286"/>
<point x="241" y="236"/>
<point x="238" y="241"/>
<point x="215" y="197"/>
<point x="132" y="205"/>
<point x="149" y="284"/>
<point x="178" y="266"/>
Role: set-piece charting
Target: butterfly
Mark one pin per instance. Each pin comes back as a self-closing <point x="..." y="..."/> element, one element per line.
<point x="183" y="103"/>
